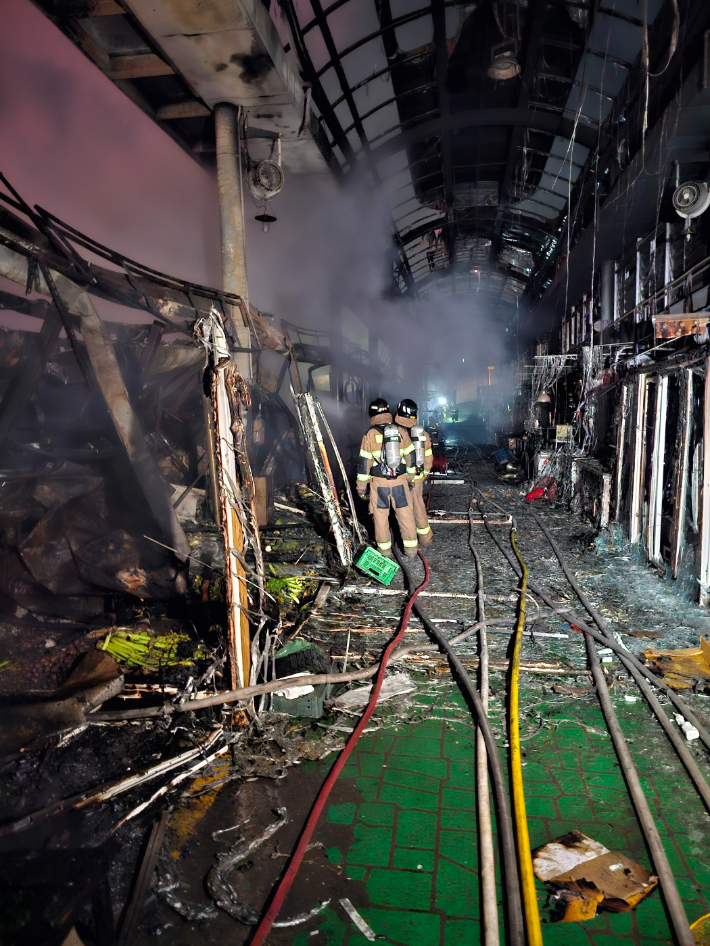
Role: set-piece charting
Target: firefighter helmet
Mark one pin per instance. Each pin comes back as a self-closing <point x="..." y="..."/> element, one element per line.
<point x="408" y="408"/>
<point x="378" y="406"/>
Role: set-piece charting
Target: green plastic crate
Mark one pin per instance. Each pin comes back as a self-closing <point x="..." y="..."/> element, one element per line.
<point x="372" y="563"/>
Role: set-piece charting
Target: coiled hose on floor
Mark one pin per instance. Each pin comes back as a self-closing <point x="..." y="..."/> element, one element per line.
<point x="289" y="875"/>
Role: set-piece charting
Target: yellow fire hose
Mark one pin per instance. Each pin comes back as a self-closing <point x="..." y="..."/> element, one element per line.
<point x="527" y="878"/>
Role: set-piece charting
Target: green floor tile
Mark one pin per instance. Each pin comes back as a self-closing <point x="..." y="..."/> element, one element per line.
<point x="540" y="807"/>
<point x="368" y="788"/>
<point x="457" y="890"/>
<point x="403" y="927"/>
<point x="408" y="859"/>
<point x="341" y="814"/>
<point x="427" y="728"/>
<point x="392" y="888"/>
<point x="416" y="829"/>
<point x="574" y="808"/>
<point x="409" y="797"/>
<point x="421" y="748"/>
<point x="458" y="820"/>
<point x="565" y="934"/>
<point x="376" y="814"/>
<point x="458" y="749"/>
<point x="453" y="798"/>
<point x="462" y="775"/>
<point x="355" y="873"/>
<point x="371" y="763"/>
<point x="371" y="847"/>
<point x="460" y="932"/>
<point x="423" y="783"/>
<point x="459" y="846"/>
<point x="437" y="768"/>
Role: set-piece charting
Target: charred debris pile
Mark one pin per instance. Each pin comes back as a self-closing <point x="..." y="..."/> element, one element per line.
<point x="152" y="553"/>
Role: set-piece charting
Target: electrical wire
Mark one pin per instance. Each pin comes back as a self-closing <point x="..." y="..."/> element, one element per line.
<point x="527" y="876"/>
<point x="289" y="875"/>
<point x="512" y="901"/>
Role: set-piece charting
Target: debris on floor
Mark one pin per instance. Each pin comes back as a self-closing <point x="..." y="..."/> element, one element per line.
<point x="686" y="668"/>
<point x="583" y="877"/>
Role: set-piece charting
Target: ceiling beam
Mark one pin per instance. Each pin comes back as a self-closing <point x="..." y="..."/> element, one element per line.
<point x="190" y="109"/>
<point x="492" y="117"/>
<point x="142" y="66"/>
<point x="441" y="57"/>
<point x="529" y="52"/>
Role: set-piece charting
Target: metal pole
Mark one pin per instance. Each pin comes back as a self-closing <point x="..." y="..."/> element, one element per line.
<point x="231" y="222"/>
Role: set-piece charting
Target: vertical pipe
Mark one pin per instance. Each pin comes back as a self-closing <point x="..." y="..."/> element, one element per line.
<point x="655" y="504"/>
<point x="231" y="221"/>
<point x="681" y="484"/>
<point x="705" y="522"/>
<point x="621" y="449"/>
<point x="607" y="296"/>
<point x="637" y="470"/>
<point x="234" y="280"/>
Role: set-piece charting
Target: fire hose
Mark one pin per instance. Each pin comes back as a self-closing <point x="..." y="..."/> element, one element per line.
<point x="289" y="875"/>
<point x="676" y="910"/>
<point x="527" y="876"/>
<point x="505" y="821"/>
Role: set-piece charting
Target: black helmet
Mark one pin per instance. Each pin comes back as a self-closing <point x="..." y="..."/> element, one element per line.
<point x="378" y="406"/>
<point x="408" y="408"/>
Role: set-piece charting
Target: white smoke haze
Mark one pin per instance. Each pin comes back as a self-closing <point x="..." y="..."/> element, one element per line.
<point x="331" y="249"/>
<point x="72" y="142"/>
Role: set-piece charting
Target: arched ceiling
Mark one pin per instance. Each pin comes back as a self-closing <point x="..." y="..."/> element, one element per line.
<point x="477" y="171"/>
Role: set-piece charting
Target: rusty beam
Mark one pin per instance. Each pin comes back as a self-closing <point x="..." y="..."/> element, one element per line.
<point x="190" y="109"/>
<point x="142" y="66"/>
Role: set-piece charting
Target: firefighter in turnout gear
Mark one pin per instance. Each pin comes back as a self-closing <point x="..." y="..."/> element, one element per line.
<point x="406" y="417"/>
<point x="387" y="467"/>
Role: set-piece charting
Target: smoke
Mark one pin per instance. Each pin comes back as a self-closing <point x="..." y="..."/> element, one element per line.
<point x="73" y="143"/>
<point x="329" y="254"/>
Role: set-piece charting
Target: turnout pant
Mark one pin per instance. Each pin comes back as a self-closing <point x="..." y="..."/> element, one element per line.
<point x="392" y="494"/>
<point x="421" y="518"/>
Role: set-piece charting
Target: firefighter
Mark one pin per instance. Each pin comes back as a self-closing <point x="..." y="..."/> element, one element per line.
<point x="406" y="417"/>
<point x="387" y="467"/>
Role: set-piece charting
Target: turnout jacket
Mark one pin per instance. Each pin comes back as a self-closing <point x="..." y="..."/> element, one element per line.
<point x="369" y="464"/>
<point x="408" y="423"/>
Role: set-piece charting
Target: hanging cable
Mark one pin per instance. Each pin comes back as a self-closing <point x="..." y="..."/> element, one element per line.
<point x="289" y="875"/>
<point x="527" y="877"/>
<point x="512" y="901"/>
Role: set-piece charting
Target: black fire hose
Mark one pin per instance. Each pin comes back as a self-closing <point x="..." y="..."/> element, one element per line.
<point x="513" y="905"/>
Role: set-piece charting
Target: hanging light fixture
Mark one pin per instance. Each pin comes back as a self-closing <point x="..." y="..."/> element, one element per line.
<point x="265" y="219"/>
<point x="503" y="65"/>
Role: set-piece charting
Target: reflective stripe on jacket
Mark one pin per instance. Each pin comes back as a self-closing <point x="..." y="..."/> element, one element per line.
<point x="369" y="463"/>
<point x="407" y="423"/>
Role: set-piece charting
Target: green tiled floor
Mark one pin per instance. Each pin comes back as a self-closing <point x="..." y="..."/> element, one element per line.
<point x="411" y="825"/>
